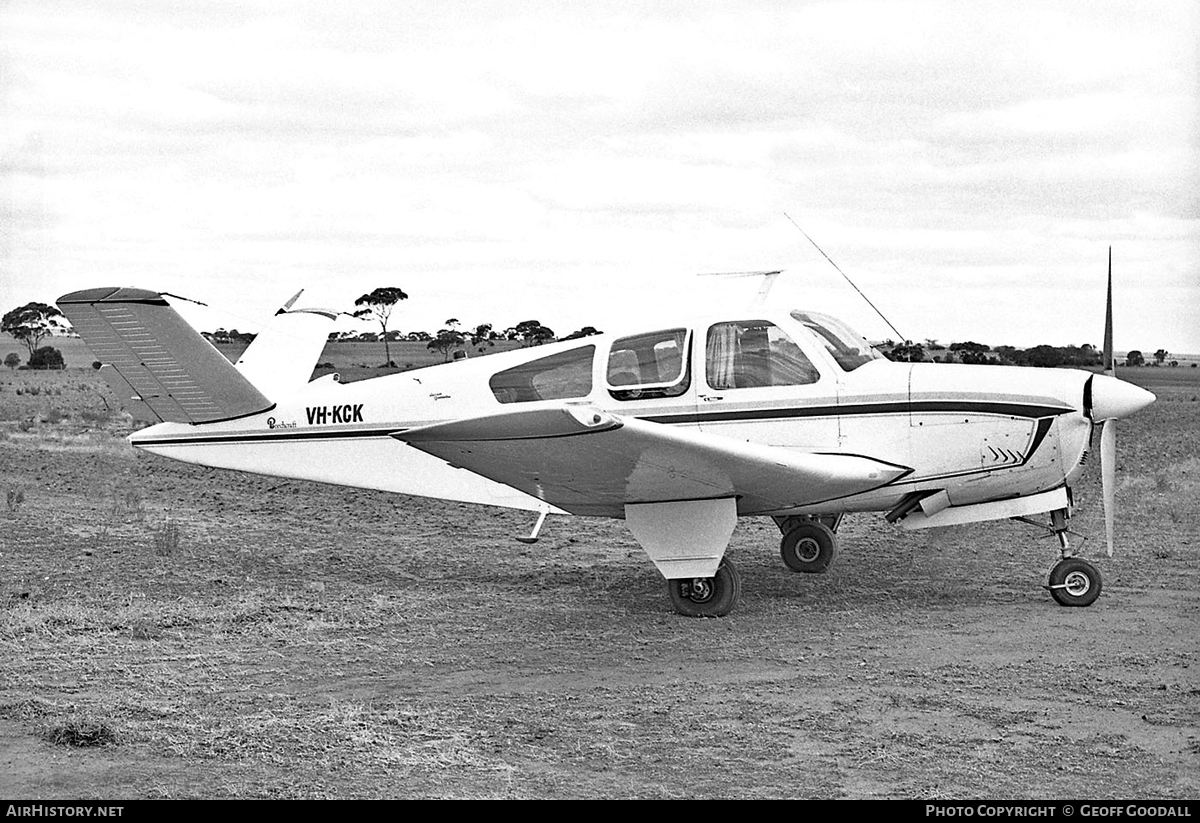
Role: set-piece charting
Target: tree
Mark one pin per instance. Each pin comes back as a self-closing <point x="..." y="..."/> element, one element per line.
<point x="484" y="334"/>
<point x="32" y="323"/>
<point x="1043" y="357"/>
<point x="447" y="341"/>
<point x="378" y="305"/>
<point x="971" y="352"/>
<point x="530" y="333"/>
<point x="12" y="360"/>
<point x="1161" y="355"/>
<point x="907" y="352"/>
<point x="1135" y="358"/>
<point x="1084" y="355"/>
<point x="586" y="331"/>
<point x="47" y="357"/>
<point x="1007" y="354"/>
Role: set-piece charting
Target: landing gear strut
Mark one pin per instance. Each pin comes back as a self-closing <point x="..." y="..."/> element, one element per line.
<point x="707" y="596"/>
<point x="1073" y="580"/>
<point x="809" y="544"/>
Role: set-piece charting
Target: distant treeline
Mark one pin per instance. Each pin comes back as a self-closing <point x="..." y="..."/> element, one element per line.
<point x="1043" y="356"/>
<point x="533" y="333"/>
<point x="979" y="354"/>
<point x="530" y="332"/>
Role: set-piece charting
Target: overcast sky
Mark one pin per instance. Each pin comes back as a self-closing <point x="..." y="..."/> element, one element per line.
<point x="967" y="164"/>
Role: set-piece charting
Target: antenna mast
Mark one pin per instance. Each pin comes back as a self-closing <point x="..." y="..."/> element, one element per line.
<point x="843" y="274"/>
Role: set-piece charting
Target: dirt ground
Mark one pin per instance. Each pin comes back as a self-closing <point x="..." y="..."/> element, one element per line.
<point x="169" y="631"/>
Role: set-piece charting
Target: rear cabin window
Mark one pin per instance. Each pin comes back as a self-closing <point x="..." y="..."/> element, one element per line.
<point x="752" y="354"/>
<point x="560" y="376"/>
<point x="649" y="365"/>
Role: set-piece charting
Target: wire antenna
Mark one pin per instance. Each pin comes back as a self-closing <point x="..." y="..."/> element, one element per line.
<point x="187" y="299"/>
<point x="843" y="274"/>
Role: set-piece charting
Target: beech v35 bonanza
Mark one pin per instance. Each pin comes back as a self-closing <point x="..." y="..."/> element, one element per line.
<point x="679" y="430"/>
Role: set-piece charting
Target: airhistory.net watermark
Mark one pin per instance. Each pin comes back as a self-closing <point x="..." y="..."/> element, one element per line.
<point x="46" y="810"/>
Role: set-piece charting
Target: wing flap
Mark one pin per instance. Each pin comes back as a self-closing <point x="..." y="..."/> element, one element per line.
<point x="163" y="360"/>
<point x="588" y="461"/>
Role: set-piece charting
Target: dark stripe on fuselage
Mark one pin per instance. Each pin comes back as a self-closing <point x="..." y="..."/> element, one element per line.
<point x="1043" y="428"/>
<point x="270" y="437"/>
<point x="932" y="406"/>
<point x="919" y="407"/>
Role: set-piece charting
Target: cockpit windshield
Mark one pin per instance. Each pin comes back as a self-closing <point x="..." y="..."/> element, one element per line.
<point x="849" y="348"/>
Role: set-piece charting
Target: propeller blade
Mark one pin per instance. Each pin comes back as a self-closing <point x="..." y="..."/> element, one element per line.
<point x="1108" y="477"/>
<point x="1110" y="366"/>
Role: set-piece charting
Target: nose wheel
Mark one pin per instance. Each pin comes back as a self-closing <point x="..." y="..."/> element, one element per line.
<point x="1075" y="582"/>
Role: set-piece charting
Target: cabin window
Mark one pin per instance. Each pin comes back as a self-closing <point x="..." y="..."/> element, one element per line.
<point x="849" y="348"/>
<point x="752" y="354"/>
<point x="560" y="376"/>
<point x="649" y="365"/>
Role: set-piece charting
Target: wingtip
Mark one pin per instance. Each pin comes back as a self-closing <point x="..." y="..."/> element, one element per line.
<point x="112" y="294"/>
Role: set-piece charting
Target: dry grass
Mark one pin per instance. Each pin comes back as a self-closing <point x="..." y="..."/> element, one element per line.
<point x="223" y="635"/>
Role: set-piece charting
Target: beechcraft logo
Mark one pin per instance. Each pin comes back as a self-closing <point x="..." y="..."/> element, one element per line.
<point x="322" y="415"/>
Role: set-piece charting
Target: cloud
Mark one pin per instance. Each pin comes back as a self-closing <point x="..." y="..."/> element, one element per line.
<point x="574" y="153"/>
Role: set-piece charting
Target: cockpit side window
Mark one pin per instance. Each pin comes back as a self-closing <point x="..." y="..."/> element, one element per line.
<point x="560" y="376"/>
<point x="848" y="347"/>
<point x="754" y="353"/>
<point x="649" y="365"/>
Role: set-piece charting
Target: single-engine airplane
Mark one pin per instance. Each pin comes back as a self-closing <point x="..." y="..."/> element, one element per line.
<point x="679" y="429"/>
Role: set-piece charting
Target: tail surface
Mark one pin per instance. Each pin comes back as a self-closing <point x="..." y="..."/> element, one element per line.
<point x="281" y="358"/>
<point x="160" y="366"/>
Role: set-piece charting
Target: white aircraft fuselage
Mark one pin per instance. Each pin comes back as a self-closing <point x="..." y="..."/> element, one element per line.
<point x="678" y="430"/>
<point x="978" y="433"/>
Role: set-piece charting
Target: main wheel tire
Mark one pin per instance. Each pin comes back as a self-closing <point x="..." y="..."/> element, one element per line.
<point x="1075" y="582"/>
<point x="809" y="547"/>
<point x="707" y="596"/>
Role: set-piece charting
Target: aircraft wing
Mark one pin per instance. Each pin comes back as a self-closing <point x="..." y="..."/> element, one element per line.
<point x="590" y="462"/>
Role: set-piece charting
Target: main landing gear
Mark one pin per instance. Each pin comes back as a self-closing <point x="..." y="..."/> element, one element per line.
<point x="1073" y="580"/>
<point x="707" y="596"/>
<point x="809" y="544"/>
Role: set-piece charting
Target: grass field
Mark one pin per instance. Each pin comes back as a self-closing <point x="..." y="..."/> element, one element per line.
<point x="172" y="631"/>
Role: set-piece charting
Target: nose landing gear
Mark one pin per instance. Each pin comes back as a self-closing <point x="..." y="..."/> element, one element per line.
<point x="1073" y="580"/>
